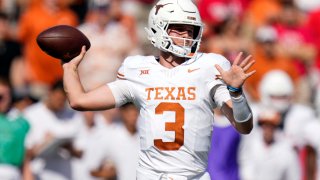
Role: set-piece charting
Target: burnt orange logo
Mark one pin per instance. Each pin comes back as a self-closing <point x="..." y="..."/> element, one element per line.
<point x="192" y="70"/>
<point x="160" y="6"/>
<point x="145" y="71"/>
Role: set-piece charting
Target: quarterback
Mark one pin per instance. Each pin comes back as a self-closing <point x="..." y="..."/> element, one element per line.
<point x="175" y="93"/>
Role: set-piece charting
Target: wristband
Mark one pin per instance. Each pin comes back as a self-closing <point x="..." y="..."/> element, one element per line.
<point x="233" y="89"/>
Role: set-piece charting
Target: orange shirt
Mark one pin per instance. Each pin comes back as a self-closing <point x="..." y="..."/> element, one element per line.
<point x="40" y="67"/>
<point x="264" y="65"/>
<point x="261" y="11"/>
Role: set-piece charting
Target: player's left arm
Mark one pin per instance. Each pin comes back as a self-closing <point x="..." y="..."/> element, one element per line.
<point x="237" y="109"/>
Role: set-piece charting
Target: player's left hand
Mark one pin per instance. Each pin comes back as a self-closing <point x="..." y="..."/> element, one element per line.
<point x="237" y="74"/>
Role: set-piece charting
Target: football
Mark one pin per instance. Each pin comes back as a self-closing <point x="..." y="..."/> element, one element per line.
<point x="62" y="42"/>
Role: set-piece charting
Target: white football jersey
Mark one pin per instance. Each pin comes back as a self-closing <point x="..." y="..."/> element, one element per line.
<point x="176" y="118"/>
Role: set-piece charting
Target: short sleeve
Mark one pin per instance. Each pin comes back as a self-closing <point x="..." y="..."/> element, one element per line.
<point x="217" y="87"/>
<point x="224" y="64"/>
<point x="121" y="92"/>
<point x="121" y="89"/>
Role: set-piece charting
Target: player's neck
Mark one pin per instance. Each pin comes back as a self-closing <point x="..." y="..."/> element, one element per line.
<point x="131" y="129"/>
<point x="170" y="61"/>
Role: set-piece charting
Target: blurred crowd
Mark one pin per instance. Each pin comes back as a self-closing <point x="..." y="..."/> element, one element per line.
<point x="42" y="138"/>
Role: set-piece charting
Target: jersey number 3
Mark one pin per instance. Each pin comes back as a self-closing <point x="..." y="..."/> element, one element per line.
<point x="176" y="126"/>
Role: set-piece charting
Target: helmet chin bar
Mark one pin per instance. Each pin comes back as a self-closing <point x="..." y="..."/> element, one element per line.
<point x="179" y="50"/>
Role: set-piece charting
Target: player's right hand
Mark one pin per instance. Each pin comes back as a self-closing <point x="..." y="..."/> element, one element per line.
<point x="74" y="63"/>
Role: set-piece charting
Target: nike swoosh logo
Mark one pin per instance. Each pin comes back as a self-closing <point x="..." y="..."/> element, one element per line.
<point x="191" y="70"/>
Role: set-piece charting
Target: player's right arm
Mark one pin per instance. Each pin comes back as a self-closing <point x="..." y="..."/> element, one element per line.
<point x="100" y="98"/>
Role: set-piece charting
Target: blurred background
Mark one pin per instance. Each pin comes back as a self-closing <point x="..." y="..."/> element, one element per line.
<point x="42" y="138"/>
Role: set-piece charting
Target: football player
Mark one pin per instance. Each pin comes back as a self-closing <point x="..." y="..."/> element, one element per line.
<point x="175" y="93"/>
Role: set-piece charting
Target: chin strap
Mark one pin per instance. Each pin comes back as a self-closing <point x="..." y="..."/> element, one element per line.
<point x="180" y="51"/>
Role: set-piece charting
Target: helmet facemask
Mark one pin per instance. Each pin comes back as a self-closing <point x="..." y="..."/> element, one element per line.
<point x="186" y="47"/>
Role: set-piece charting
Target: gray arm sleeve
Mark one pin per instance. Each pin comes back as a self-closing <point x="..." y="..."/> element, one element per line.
<point x="241" y="109"/>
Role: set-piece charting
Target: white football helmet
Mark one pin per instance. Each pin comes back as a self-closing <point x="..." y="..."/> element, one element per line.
<point x="167" y="12"/>
<point x="276" y="90"/>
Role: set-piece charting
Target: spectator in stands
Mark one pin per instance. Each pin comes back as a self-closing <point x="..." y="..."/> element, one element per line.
<point x="313" y="23"/>
<point x="268" y="57"/>
<point x="42" y="70"/>
<point x="20" y="102"/>
<point x="54" y="126"/>
<point x="277" y="93"/>
<point x="12" y="136"/>
<point x="293" y="35"/>
<point x="9" y="48"/>
<point x="215" y="12"/>
<point x="112" y="36"/>
<point x="266" y="156"/>
<point x="228" y="38"/>
<point x="115" y="152"/>
<point x="296" y="44"/>
<point x="111" y="41"/>
<point x="94" y="124"/>
<point x="263" y="12"/>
